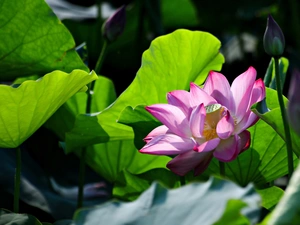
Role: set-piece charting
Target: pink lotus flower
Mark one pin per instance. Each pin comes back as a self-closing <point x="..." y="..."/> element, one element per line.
<point x="205" y="123"/>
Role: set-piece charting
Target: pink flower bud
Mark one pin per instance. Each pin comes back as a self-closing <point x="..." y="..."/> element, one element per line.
<point x="113" y="27"/>
<point x="274" y="41"/>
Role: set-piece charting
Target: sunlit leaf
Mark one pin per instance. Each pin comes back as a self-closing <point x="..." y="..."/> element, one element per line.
<point x="64" y="118"/>
<point x="34" y="41"/>
<point x="274" y="118"/>
<point x="232" y="213"/>
<point x="171" y="63"/>
<point x="26" y="108"/>
<point x="287" y="210"/>
<point x="269" y="78"/>
<point x="265" y="220"/>
<point x="196" y="203"/>
<point x="270" y="196"/>
<point x="263" y="162"/>
<point x="140" y="120"/>
<point x="130" y="186"/>
<point x="109" y="159"/>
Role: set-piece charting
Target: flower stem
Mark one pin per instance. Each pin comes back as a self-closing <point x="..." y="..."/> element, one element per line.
<point x="81" y="179"/>
<point x="222" y="169"/>
<point x="88" y="110"/>
<point x="17" y="180"/>
<point x="182" y="180"/>
<point x="284" y="119"/>
<point x="101" y="57"/>
<point x="97" y="71"/>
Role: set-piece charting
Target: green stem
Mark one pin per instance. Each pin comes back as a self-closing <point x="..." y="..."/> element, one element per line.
<point x="101" y="58"/>
<point x="284" y="119"/>
<point x="97" y="70"/>
<point x="182" y="180"/>
<point x="17" y="180"/>
<point x="222" y="169"/>
<point x="88" y="110"/>
<point x="81" y="179"/>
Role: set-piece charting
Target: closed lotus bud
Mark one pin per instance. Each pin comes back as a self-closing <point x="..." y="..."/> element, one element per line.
<point x="294" y="102"/>
<point x="113" y="27"/>
<point x="274" y="41"/>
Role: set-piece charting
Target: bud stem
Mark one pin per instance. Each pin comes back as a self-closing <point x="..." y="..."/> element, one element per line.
<point x="88" y="110"/>
<point x="222" y="169"/>
<point x="81" y="178"/>
<point x="17" y="180"/>
<point x="182" y="180"/>
<point x="101" y="58"/>
<point x="284" y="119"/>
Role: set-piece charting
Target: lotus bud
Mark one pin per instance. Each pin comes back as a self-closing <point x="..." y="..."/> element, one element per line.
<point x="113" y="27"/>
<point x="274" y="41"/>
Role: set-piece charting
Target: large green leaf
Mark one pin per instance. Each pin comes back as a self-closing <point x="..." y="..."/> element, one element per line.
<point x="64" y="118"/>
<point x="130" y="186"/>
<point x="10" y="218"/>
<point x="26" y="108"/>
<point x="196" y="203"/>
<point x="141" y="122"/>
<point x="109" y="159"/>
<point x="232" y="213"/>
<point x="269" y="78"/>
<point x="263" y="162"/>
<point x="270" y="196"/>
<point x="34" y="41"/>
<point x="171" y="63"/>
<point x="273" y="117"/>
<point x="287" y="210"/>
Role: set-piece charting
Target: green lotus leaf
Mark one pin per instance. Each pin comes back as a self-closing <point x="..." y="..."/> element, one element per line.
<point x="10" y="218"/>
<point x="34" y="41"/>
<point x="141" y="121"/>
<point x="270" y="196"/>
<point x="263" y="162"/>
<point x="273" y="117"/>
<point x="269" y="78"/>
<point x="64" y="118"/>
<point x="25" y="108"/>
<point x="196" y="203"/>
<point x="109" y="159"/>
<point x="287" y="210"/>
<point x="171" y="63"/>
<point x="232" y="213"/>
<point x="129" y="186"/>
